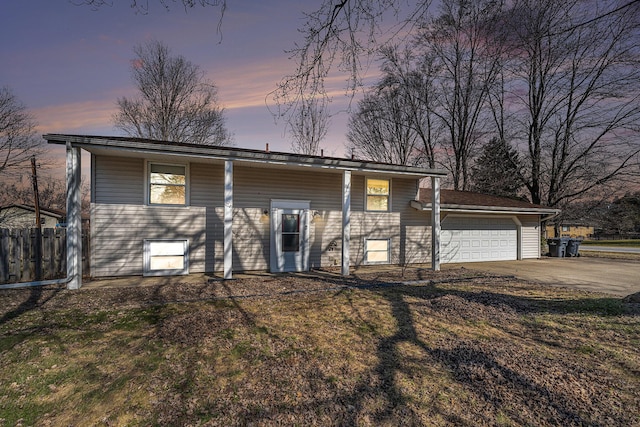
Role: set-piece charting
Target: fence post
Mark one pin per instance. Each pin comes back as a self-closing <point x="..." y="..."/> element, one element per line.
<point x="4" y="255"/>
<point x="36" y="251"/>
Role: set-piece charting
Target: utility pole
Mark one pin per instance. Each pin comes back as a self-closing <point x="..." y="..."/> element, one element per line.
<point x="36" y="197"/>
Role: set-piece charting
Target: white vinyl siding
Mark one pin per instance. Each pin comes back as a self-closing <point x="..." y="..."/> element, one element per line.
<point x="530" y="236"/>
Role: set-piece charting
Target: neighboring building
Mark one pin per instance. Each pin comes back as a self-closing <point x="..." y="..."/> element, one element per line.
<point x="172" y="208"/>
<point x="574" y="230"/>
<point x="24" y="216"/>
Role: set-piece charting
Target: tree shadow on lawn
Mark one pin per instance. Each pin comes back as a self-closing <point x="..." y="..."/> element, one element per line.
<point x="34" y="299"/>
<point x="502" y="379"/>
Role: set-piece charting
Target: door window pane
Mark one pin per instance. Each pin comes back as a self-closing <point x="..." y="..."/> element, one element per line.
<point x="290" y="242"/>
<point x="290" y="232"/>
<point x="290" y="223"/>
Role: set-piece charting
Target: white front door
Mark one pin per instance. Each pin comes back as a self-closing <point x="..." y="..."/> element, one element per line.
<point x="289" y="236"/>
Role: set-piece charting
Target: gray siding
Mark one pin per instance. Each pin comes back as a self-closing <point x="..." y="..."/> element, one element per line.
<point x="118" y="232"/>
<point x="207" y="191"/>
<point x="119" y="180"/>
<point x="121" y="220"/>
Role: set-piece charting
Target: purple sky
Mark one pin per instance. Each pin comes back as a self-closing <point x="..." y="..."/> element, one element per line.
<point x="69" y="63"/>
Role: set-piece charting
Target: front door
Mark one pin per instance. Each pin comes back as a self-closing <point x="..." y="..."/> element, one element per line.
<point x="289" y="236"/>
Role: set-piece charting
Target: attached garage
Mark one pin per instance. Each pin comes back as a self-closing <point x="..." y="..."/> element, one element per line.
<point x="478" y="227"/>
<point x="474" y="239"/>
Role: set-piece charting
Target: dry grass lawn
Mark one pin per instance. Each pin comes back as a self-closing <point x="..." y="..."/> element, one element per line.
<point x="452" y="349"/>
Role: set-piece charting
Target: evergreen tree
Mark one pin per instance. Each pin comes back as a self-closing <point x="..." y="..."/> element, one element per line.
<point x="495" y="171"/>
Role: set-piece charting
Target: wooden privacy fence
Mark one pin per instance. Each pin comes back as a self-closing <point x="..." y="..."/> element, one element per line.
<point x="30" y="254"/>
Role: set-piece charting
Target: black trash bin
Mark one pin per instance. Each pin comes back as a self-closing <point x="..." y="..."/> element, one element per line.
<point x="573" y="247"/>
<point x="557" y="247"/>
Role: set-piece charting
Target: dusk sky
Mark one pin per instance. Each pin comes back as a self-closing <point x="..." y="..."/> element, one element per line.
<point x="68" y="64"/>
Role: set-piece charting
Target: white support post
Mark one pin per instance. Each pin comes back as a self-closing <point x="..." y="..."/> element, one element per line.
<point x="346" y="220"/>
<point x="228" y="219"/>
<point x="435" y="223"/>
<point x="74" y="220"/>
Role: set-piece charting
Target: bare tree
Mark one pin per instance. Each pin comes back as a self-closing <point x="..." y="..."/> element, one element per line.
<point x="142" y="6"/>
<point x="18" y="141"/>
<point x="308" y="126"/>
<point x="468" y="64"/>
<point x="415" y="77"/>
<point x="574" y="80"/>
<point x="380" y="128"/>
<point x="343" y="36"/>
<point x="175" y="102"/>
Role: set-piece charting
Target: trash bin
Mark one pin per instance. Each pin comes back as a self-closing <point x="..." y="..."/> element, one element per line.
<point x="573" y="247"/>
<point x="557" y="247"/>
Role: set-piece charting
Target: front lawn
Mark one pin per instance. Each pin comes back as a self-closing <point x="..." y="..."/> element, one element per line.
<point x="455" y="351"/>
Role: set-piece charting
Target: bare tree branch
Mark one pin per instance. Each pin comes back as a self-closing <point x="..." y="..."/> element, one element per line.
<point x="175" y="103"/>
<point x="18" y="141"/>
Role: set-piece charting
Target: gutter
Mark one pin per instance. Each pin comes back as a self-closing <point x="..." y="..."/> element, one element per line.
<point x="548" y="217"/>
<point x="34" y="284"/>
<point x="486" y="209"/>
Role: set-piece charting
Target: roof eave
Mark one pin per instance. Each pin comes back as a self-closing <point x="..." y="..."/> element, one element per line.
<point x="248" y="156"/>
<point x="484" y="209"/>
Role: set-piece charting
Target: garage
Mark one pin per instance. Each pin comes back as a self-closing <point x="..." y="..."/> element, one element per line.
<point x="475" y="239"/>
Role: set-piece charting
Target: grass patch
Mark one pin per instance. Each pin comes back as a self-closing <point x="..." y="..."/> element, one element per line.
<point x="466" y="353"/>
<point x="632" y="243"/>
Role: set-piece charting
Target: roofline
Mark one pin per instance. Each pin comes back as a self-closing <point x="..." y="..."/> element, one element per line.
<point x="33" y="209"/>
<point x="246" y="155"/>
<point x="485" y="209"/>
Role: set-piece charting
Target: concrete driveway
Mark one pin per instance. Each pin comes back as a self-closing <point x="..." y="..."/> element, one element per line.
<point x="618" y="277"/>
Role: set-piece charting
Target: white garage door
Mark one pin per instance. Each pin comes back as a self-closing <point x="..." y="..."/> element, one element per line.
<point x="465" y="239"/>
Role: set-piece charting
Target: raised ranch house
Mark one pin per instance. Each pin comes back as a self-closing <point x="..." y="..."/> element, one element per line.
<point x="160" y="208"/>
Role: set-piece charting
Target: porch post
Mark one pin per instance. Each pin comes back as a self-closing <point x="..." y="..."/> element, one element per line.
<point x="228" y="219"/>
<point x="74" y="222"/>
<point x="435" y="223"/>
<point x="346" y="220"/>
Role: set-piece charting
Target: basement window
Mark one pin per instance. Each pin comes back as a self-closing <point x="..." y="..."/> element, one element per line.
<point x="376" y="251"/>
<point x="166" y="257"/>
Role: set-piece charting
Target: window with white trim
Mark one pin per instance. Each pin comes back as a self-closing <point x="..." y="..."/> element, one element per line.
<point x="167" y="184"/>
<point x="378" y="194"/>
<point x="376" y="251"/>
<point x="166" y="257"/>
